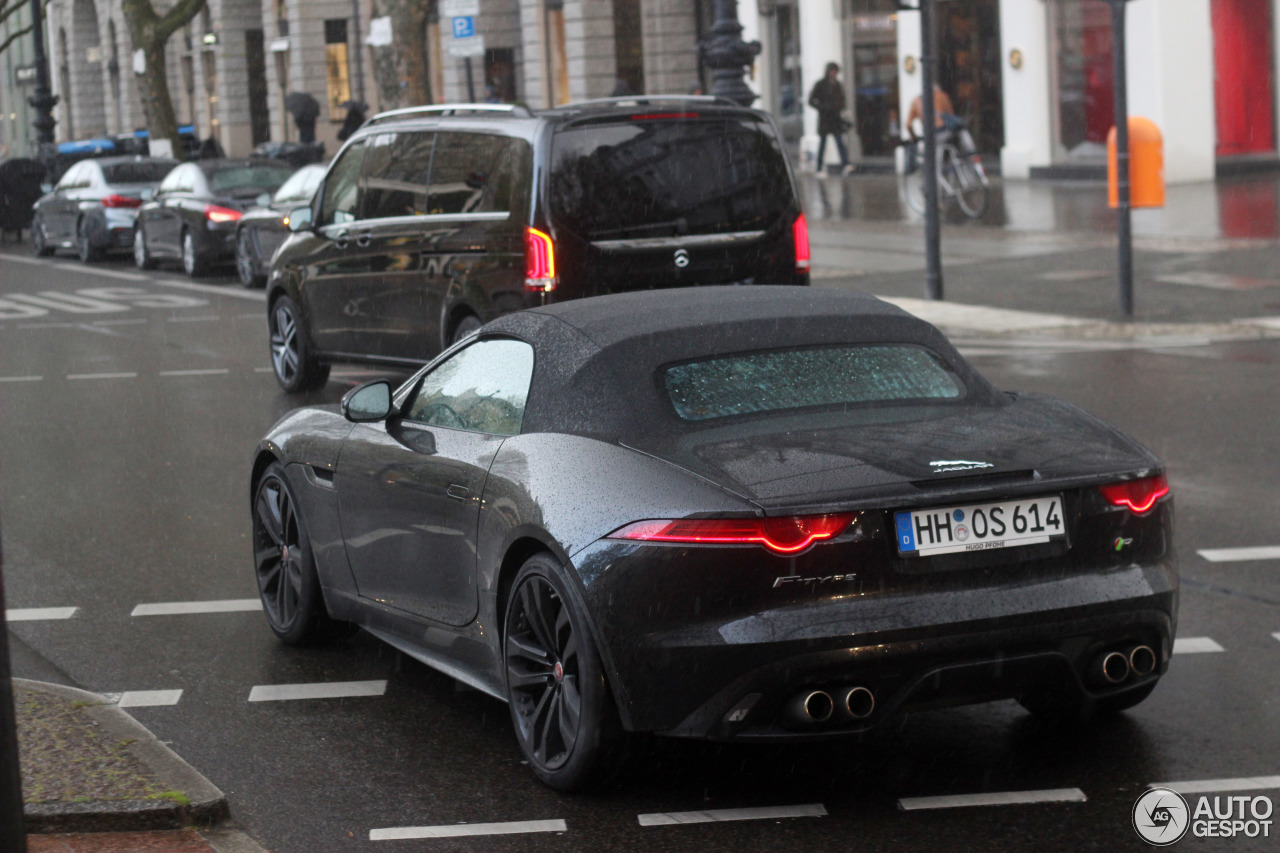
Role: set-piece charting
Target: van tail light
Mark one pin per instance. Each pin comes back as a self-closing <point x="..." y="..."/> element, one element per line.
<point x="1138" y="495"/>
<point x="217" y="214"/>
<point x="783" y="535"/>
<point x="800" y="230"/>
<point x="117" y="200"/>
<point x="539" y="261"/>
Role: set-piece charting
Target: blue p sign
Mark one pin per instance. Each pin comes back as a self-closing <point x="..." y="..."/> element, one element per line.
<point x="464" y="27"/>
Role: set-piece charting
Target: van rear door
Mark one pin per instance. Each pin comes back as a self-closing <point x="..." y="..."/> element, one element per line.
<point x="658" y="197"/>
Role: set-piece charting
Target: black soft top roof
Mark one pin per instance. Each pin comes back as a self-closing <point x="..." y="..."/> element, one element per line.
<point x="597" y="359"/>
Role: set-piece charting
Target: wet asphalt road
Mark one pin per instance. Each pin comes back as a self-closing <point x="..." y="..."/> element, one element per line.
<point x="128" y="414"/>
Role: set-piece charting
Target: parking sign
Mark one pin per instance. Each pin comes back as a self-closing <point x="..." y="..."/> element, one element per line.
<point x="464" y="26"/>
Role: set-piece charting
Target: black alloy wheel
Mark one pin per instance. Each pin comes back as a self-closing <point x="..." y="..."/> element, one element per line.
<point x="561" y="706"/>
<point x="39" y="239"/>
<point x="142" y="257"/>
<point x="285" y="567"/>
<point x="295" y="367"/>
<point x="246" y="267"/>
<point x="193" y="263"/>
<point x="84" y="244"/>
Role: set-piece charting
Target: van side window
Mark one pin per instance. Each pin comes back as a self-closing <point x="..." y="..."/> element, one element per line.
<point x="342" y="188"/>
<point x="396" y="180"/>
<point x="477" y="173"/>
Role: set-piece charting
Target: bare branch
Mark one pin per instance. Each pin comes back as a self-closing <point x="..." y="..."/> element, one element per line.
<point x="4" y="45"/>
<point x="178" y="16"/>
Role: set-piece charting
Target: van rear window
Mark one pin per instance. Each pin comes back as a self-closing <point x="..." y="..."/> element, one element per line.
<point x="807" y="378"/>
<point x="663" y="177"/>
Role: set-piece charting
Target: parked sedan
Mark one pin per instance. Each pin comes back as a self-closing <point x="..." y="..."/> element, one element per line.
<point x="195" y="211"/>
<point x="262" y="229"/>
<point x="94" y="205"/>
<point x="752" y="514"/>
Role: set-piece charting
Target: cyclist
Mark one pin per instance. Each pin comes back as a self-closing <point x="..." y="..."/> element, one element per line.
<point x="950" y="127"/>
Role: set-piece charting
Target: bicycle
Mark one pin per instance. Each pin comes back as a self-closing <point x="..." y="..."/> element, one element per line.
<point x="960" y="176"/>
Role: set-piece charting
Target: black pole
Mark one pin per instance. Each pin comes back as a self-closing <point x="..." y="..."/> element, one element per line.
<point x="12" y="835"/>
<point x="932" y="226"/>
<point x="727" y="55"/>
<point x="1124" y="220"/>
<point x="42" y="100"/>
<point x="471" y="81"/>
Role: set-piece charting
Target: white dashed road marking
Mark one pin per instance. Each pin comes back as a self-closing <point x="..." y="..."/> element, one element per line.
<point x="236" y="292"/>
<point x="20" y="378"/>
<point x="1201" y="786"/>
<point x="102" y="376"/>
<point x="460" y="830"/>
<point x="1195" y="645"/>
<point x="149" y="698"/>
<point x="38" y="614"/>
<point x="1234" y="555"/>
<point x="1276" y="635"/>
<point x="722" y="815"/>
<point x="1005" y="798"/>
<point x="325" y="690"/>
<point x="184" y="608"/>
<point x="219" y="371"/>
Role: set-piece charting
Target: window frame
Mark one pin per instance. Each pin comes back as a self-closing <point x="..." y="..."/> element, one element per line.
<point x="415" y="387"/>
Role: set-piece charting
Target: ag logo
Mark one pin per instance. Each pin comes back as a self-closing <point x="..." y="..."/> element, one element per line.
<point x="682" y="258"/>
<point x="1161" y="817"/>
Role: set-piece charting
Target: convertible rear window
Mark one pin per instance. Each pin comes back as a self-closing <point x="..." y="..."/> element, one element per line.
<point x="806" y="378"/>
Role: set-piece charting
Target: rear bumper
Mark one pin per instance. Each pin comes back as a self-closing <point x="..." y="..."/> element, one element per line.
<point x="731" y="678"/>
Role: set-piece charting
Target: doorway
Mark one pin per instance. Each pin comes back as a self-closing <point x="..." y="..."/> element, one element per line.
<point x="968" y="34"/>
<point x="1243" y="85"/>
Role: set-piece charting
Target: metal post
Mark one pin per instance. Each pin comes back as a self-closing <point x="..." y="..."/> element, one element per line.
<point x="42" y="100"/>
<point x="727" y="55"/>
<point x="12" y="835"/>
<point x="932" y="225"/>
<point x="471" y="82"/>
<point x="1124" y="221"/>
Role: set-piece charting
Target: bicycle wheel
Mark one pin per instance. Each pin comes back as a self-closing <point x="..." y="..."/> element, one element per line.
<point x="913" y="187"/>
<point x="971" y="186"/>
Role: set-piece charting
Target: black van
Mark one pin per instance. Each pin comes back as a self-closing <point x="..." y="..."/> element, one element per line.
<point x="433" y="220"/>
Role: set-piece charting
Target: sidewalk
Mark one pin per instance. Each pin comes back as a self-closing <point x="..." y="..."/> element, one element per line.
<point x="1211" y="256"/>
<point x="96" y="781"/>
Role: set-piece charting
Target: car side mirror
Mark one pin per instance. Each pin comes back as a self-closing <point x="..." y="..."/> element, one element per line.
<point x="299" y="219"/>
<point x="368" y="402"/>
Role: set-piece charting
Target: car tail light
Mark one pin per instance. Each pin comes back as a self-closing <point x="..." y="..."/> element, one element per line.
<point x="1138" y="495"/>
<point x="784" y="535"/>
<point x="539" y="261"/>
<point x="214" y="213"/>
<point x="800" y="230"/>
<point x="118" y="200"/>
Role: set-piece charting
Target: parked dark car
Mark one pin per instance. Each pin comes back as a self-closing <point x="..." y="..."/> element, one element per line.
<point x="194" y="213"/>
<point x="20" y="189"/>
<point x="262" y="229"/>
<point x="94" y="206"/>
<point x="753" y="514"/>
<point x="433" y="220"/>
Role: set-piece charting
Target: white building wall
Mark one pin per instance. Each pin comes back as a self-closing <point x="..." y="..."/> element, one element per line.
<point x="533" y="54"/>
<point x="589" y="46"/>
<point x="670" y="46"/>
<point x="1028" y="112"/>
<point x="1170" y="77"/>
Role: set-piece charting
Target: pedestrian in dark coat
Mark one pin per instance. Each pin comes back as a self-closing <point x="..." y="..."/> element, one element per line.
<point x="827" y="98"/>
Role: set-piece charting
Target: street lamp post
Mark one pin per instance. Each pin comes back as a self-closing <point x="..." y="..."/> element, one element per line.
<point x="727" y="55"/>
<point x="42" y="100"/>
<point x="12" y="835"/>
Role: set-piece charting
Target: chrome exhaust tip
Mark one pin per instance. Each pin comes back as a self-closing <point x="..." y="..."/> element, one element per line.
<point x="814" y="706"/>
<point x="1142" y="660"/>
<point x="858" y="703"/>
<point x="1110" y="668"/>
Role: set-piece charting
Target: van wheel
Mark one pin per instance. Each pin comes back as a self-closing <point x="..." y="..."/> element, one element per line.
<point x="466" y="327"/>
<point x="295" y="367"/>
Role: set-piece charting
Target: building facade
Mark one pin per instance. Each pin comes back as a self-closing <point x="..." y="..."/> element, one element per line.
<point x="1031" y="77"/>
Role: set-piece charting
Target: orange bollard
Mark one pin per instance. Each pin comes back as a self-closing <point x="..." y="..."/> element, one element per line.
<point x="1146" y="165"/>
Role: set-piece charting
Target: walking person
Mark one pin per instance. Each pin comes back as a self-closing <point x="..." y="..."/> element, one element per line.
<point x="827" y="98"/>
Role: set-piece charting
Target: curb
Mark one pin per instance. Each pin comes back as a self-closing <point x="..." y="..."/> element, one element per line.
<point x="208" y="805"/>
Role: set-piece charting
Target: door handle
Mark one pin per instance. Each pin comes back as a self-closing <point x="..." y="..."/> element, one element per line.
<point x="364" y="239"/>
<point x="341" y="239"/>
<point x="457" y="492"/>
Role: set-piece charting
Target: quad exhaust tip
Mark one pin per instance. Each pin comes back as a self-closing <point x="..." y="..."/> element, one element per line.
<point x="1142" y="660"/>
<point x="814" y="706"/>
<point x="1110" y="668"/>
<point x="858" y="703"/>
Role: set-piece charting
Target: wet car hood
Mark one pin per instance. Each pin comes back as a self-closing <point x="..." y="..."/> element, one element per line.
<point x="904" y="453"/>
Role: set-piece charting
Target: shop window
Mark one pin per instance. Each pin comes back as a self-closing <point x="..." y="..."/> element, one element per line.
<point x="337" y="67"/>
<point x="1085" y="90"/>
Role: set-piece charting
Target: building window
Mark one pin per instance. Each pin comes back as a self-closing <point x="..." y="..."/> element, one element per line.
<point x="1086" y="96"/>
<point x="282" y="18"/>
<point x="337" y="67"/>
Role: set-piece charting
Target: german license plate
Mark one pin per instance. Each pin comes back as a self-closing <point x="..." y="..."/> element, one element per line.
<point x="979" y="527"/>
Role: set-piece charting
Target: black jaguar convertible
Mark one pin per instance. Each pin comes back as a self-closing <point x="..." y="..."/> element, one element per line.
<point x="751" y="513"/>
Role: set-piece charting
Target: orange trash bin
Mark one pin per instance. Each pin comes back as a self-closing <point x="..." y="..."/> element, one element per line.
<point x="1146" y="165"/>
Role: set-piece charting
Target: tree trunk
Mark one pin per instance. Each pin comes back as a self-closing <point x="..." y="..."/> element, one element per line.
<point x="409" y="26"/>
<point x="150" y="33"/>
